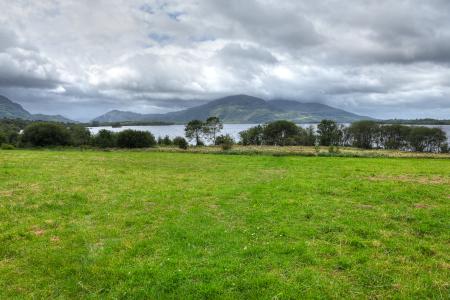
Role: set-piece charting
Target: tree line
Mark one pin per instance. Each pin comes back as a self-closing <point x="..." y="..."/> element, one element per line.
<point x="18" y="133"/>
<point x="362" y="134"/>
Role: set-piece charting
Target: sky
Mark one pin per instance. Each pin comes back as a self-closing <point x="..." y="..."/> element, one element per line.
<point x="82" y="58"/>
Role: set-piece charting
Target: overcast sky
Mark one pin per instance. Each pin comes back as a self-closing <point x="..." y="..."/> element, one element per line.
<point x="81" y="58"/>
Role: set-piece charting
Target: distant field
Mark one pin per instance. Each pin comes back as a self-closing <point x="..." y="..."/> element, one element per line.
<point x="156" y="225"/>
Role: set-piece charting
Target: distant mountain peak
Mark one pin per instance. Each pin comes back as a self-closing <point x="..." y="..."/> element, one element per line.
<point x="12" y="110"/>
<point x="242" y="109"/>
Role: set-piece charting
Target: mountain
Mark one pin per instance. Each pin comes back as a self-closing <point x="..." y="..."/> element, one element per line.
<point x="51" y="118"/>
<point x="12" y="110"/>
<point x="120" y="116"/>
<point x="243" y="109"/>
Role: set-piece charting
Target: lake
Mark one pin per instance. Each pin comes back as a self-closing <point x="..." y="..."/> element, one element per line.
<point x="231" y="129"/>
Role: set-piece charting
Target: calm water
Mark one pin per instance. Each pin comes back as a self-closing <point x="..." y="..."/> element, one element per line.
<point x="231" y="129"/>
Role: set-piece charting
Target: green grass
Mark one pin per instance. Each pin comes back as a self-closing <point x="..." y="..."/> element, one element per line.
<point x="87" y="224"/>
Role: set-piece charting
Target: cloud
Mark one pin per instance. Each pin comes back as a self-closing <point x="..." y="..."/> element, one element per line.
<point x="22" y="65"/>
<point x="380" y="58"/>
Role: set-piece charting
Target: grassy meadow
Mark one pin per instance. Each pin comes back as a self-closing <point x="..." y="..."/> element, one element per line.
<point x="155" y="225"/>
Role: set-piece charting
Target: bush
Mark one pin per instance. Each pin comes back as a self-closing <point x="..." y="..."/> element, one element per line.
<point x="166" y="141"/>
<point x="180" y="142"/>
<point x="135" y="139"/>
<point x="7" y="147"/>
<point x="79" y="135"/>
<point x="46" y="134"/>
<point x="225" y="141"/>
<point x="105" y="139"/>
<point x="2" y="138"/>
<point x="252" y="136"/>
<point x="281" y="133"/>
<point x="333" y="149"/>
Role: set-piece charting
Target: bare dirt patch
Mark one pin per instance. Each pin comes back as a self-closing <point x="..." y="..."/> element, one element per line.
<point x="366" y="206"/>
<point x="421" y="205"/>
<point x="55" y="239"/>
<point x="412" y="179"/>
<point x="38" y="231"/>
<point x="6" y="193"/>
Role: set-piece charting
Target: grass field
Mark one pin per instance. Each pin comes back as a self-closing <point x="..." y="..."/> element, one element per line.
<point x="87" y="224"/>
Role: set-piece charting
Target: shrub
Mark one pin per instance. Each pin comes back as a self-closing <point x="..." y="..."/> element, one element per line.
<point x="333" y="149"/>
<point x="225" y="141"/>
<point x="7" y="147"/>
<point x="282" y="133"/>
<point x="79" y="135"/>
<point x="45" y="134"/>
<point x="135" y="139"/>
<point x="180" y="142"/>
<point x="2" y="138"/>
<point x="252" y="136"/>
<point x="166" y="141"/>
<point x="105" y="139"/>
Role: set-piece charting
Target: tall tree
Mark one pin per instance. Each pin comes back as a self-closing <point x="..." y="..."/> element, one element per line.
<point x="212" y="127"/>
<point x="365" y="134"/>
<point x="281" y="133"/>
<point x="329" y="133"/>
<point x="194" y="131"/>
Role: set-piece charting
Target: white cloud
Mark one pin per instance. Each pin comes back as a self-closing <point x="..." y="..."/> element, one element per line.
<point x="371" y="57"/>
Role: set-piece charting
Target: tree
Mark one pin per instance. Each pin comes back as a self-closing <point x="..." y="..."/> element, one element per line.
<point x="135" y="139"/>
<point x="46" y="134"/>
<point x="167" y="141"/>
<point x="329" y="133"/>
<point x="2" y="138"/>
<point x="225" y="141"/>
<point x="180" y="142"/>
<point x="364" y="134"/>
<point x="79" y="135"/>
<point x="194" y="130"/>
<point x="395" y="136"/>
<point x="309" y="137"/>
<point x="10" y="129"/>
<point x="252" y="136"/>
<point x="281" y="133"/>
<point x="105" y="139"/>
<point x="212" y="127"/>
<point x="425" y="139"/>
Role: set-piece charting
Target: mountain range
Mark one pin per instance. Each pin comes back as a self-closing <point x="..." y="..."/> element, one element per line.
<point x="232" y="109"/>
<point x="12" y="110"/>
<point x="242" y="109"/>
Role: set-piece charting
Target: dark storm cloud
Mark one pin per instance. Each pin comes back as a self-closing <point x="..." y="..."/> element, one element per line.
<point x="21" y="65"/>
<point x="383" y="58"/>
